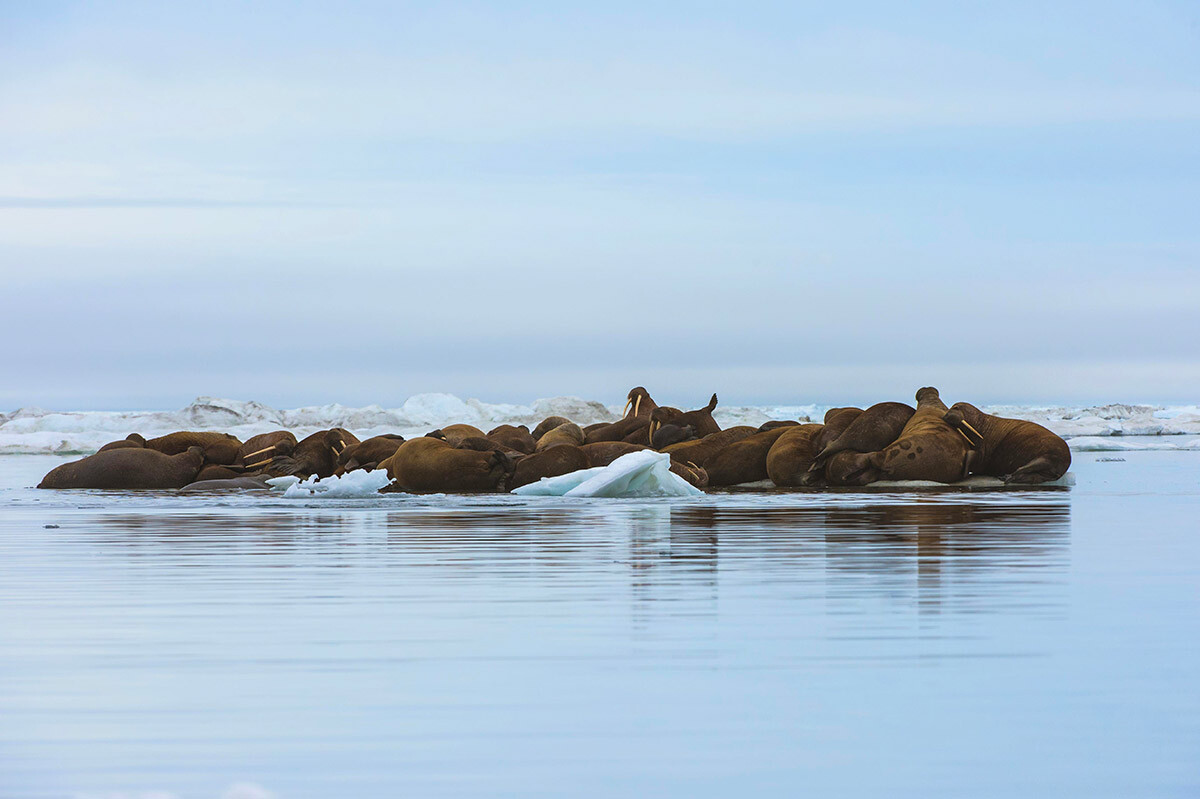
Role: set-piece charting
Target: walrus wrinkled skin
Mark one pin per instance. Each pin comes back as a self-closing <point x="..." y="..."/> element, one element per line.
<point x="128" y="468"/>
<point x="552" y="462"/>
<point x="1015" y="450"/>
<point x="215" y="471"/>
<point x="743" y="461"/>
<point x="701" y="419"/>
<point x="700" y="451"/>
<point x="220" y="448"/>
<point x="514" y="437"/>
<point x="131" y="440"/>
<point x="243" y="483"/>
<point x="771" y="425"/>
<point x="569" y="433"/>
<point x="791" y="456"/>
<point x="431" y="464"/>
<point x="928" y="448"/>
<point x="368" y="454"/>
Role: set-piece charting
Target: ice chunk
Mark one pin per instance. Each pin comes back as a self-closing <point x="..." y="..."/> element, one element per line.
<point x="639" y="474"/>
<point x="358" y="483"/>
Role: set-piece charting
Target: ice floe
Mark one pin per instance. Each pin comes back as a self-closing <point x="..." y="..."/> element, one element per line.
<point x="348" y="486"/>
<point x="638" y="474"/>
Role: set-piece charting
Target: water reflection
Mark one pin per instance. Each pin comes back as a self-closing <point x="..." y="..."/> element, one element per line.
<point x="925" y="550"/>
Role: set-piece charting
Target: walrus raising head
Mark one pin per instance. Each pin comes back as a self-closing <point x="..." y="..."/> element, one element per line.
<point x="638" y="404"/>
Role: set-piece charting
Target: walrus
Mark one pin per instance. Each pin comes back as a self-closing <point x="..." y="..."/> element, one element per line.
<point x="602" y="453"/>
<point x="928" y="447"/>
<point x="635" y="417"/>
<point x="548" y="424"/>
<point x="131" y="440"/>
<point x="514" y="437"/>
<point x="1015" y="450"/>
<point x="368" y="454"/>
<point x="846" y="468"/>
<point x="431" y="464"/>
<point x="317" y="454"/>
<point x="455" y="433"/>
<point x="871" y="430"/>
<point x="701" y="419"/>
<point x="696" y="475"/>
<point x="242" y="483"/>
<point x="215" y="471"/>
<point x="668" y="434"/>
<point x="836" y="421"/>
<point x="220" y="448"/>
<point x="776" y="423"/>
<point x="743" y="461"/>
<point x="127" y="468"/>
<point x="701" y="450"/>
<point x="257" y="451"/>
<point x="790" y="457"/>
<point x="551" y="462"/>
<point x="569" y="433"/>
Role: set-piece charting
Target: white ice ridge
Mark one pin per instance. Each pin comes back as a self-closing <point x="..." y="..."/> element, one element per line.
<point x="638" y="474"/>
<point x="351" y="485"/>
<point x="40" y="431"/>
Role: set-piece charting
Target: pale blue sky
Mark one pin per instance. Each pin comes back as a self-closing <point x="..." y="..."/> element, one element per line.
<point x="304" y="203"/>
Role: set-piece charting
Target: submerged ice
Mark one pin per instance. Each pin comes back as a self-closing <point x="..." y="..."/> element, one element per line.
<point x="638" y="474"/>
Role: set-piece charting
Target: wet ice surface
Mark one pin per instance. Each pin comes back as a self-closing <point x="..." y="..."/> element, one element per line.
<point x="944" y="643"/>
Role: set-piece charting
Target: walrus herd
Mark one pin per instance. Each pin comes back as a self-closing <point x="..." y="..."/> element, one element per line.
<point x="851" y="447"/>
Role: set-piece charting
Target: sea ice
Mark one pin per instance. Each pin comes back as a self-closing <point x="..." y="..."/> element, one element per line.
<point x="354" y="484"/>
<point x="639" y="474"/>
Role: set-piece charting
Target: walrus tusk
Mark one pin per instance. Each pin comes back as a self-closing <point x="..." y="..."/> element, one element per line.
<point x="334" y="450"/>
<point x="625" y="410"/>
<point x="260" y="463"/>
<point x="637" y="404"/>
<point x="259" y="452"/>
<point x="967" y="425"/>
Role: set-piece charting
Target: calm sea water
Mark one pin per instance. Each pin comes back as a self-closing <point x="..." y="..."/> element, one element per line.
<point x="1002" y="643"/>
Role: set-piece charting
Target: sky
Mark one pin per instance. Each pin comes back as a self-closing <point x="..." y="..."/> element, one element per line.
<point x="303" y="203"/>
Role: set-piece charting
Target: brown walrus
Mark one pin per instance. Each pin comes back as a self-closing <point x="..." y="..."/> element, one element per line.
<point x="743" y="461"/>
<point x="602" y="453"/>
<point x="551" y="462"/>
<point x="871" y="430"/>
<point x="700" y="419"/>
<point x="257" y="451"/>
<point x="928" y="447"/>
<point x="667" y="434"/>
<point x="127" y="468"/>
<point x="368" y="454"/>
<point x="515" y="437"/>
<point x="431" y="464"/>
<point x="1015" y="450"/>
<point x="455" y="433"/>
<point x="219" y="448"/>
<point x="215" y="471"/>
<point x="701" y="450"/>
<point x="792" y="454"/>
<point x="836" y="421"/>
<point x="131" y="440"/>
<point x="569" y="433"/>
<point x="317" y="454"/>
<point x="548" y="424"/>
<point x="635" y="417"/>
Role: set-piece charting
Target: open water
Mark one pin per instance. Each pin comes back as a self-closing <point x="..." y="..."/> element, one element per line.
<point x="896" y="643"/>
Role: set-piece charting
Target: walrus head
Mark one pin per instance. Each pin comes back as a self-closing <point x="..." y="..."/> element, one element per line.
<point x="438" y="434"/>
<point x="136" y="438"/>
<point x="638" y="398"/>
<point x="927" y="394"/>
<point x="956" y="419"/>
